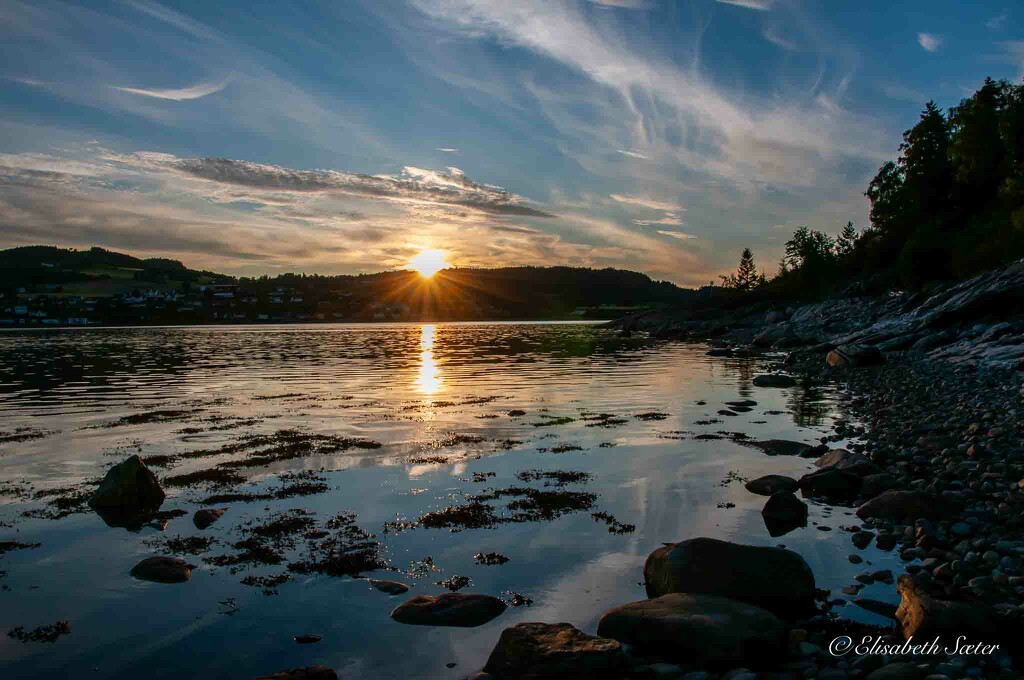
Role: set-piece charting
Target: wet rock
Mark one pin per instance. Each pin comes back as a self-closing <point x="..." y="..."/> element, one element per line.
<point x="305" y="673"/>
<point x="450" y="609"/>
<point x="850" y="461"/>
<point x="854" y="356"/>
<point x="779" y="447"/>
<point x="704" y="630"/>
<point x="773" y="578"/>
<point x="554" y="650"/>
<point x="720" y="352"/>
<point x="872" y="485"/>
<point x="128" y="486"/>
<point x="389" y="587"/>
<point x="900" y="670"/>
<point x="902" y="506"/>
<point x="771" y="484"/>
<point x="923" y="616"/>
<point x="830" y="483"/>
<point x="782" y="510"/>
<point x="204" y="518"/>
<point x="774" y="380"/>
<point x="308" y="639"/>
<point x="163" y="570"/>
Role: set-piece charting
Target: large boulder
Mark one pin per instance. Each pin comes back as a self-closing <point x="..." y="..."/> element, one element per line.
<point x="774" y="380"/>
<point x="830" y="483"/>
<point x="903" y="506"/>
<point x="305" y="673"/>
<point x="129" y="486"/>
<point x="854" y="356"/>
<point x="163" y="570"/>
<point x="850" y="461"/>
<point x="207" y="516"/>
<point x="784" y="512"/>
<point x="463" y="610"/>
<point x="771" y="484"/>
<point x="872" y="485"/>
<point x="773" y="578"/>
<point x="924" y="617"/>
<point x="554" y="650"/>
<point x="703" y="630"/>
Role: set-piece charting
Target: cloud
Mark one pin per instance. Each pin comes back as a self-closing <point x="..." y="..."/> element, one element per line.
<point x="929" y="41"/>
<point x="998" y="22"/>
<point x="669" y="218"/>
<point x="774" y="35"/>
<point x="413" y="184"/>
<point x="645" y="202"/>
<point x="761" y="5"/>
<point x="624" y="4"/>
<point x="903" y="93"/>
<point x="676" y="234"/>
<point x="184" y="94"/>
<point x="632" y="154"/>
<point x="447" y="149"/>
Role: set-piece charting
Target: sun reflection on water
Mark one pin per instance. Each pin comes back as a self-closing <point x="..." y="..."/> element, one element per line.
<point x="428" y="381"/>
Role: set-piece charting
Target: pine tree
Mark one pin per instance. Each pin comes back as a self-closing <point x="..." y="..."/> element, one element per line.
<point x="846" y="240"/>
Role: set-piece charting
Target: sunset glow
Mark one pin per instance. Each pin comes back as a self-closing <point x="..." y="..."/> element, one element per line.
<point x="429" y="262"/>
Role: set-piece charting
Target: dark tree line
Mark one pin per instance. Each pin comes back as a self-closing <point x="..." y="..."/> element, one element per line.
<point x="950" y="206"/>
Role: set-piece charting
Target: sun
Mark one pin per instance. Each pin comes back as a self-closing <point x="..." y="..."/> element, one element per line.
<point x="429" y="262"/>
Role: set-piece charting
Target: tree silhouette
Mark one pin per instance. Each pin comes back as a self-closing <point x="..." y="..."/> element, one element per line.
<point x="746" y="276"/>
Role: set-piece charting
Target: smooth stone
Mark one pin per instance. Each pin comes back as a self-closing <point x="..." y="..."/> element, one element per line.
<point x="779" y="447"/>
<point x="204" y="518"/>
<point x="463" y="610"/>
<point x="925" y="617"/>
<point x="554" y="650"/>
<point x="830" y="483"/>
<point x="162" y="570"/>
<point x="389" y="587"/>
<point x="850" y="461"/>
<point x="854" y="356"/>
<point x="771" y="484"/>
<point x="698" y="629"/>
<point x="776" y="579"/>
<point x="905" y="506"/>
<point x="774" y="380"/>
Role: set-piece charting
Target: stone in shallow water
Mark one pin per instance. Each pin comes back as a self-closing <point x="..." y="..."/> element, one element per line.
<point x="830" y="483"/>
<point x="774" y="380"/>
<point x="450" y="609"/>
<point x="773" y="578"/>
<point x="784" y="512"/>
<point x="389" y="587"/>
<point x="128" y="486"/>
<point x="305" y="673"/>
<point x="554" y="650"/>
<point x="704" y="630"/>
<point x="204" y="518"/>
<point x="162" y="570"/>
<point x="771" y="484"/>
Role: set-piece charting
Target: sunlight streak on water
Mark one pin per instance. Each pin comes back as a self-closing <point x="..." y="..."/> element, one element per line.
<point x="428" y="380"/>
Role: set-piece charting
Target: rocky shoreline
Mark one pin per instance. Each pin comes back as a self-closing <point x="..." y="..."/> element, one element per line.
<point x="935" y="472"/>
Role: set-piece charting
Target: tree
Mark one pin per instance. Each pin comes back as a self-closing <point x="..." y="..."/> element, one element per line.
<point x="746" y="276"/>
<point x="846" y="241"/>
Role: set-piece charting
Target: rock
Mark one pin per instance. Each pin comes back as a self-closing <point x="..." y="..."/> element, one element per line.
<point x="872" y="485"/>
<point x="862" y="539"/>
<point x="923" y="616"/>
<point x="204" y="518"/>
<point x="930" y="342"/>
<point x="773" y="578"/>
<point x="841" y="459"/>
<point x="774" y="380"/>
<point x="830" y="483"/>
<point x="389" y="587"/>
<point x="775" y="316"/>
<point x="900" y="670"/>
<point x="450" y="609"/>
<point x="128" y="486"/>
<point x="163" y="570"/>
<point x="720" y="352"/>
<point x="785" y="507"/>
<point x="771" y="484"/>
<point x="305" y="673"/>
<point x="903" y="506"/>
<point x="554" y="650"/>
<point x="854" y="356"/>
<point x="702" y="630"/>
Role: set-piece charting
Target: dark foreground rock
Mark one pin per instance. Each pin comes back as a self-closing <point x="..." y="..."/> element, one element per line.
<point x="830" y="483"/>
<point x="776" y="579"/>
<point x="902" y="505"/>
<point x="554" y="650"/>
<point x="306" y="673"/>
<point x="463" y="610"/>
<point x="774" y="380"/>
<point x="923" y="616"/>
<point x="202" y="519"/>
<point x="771" y="484"/>
<point x="128" y="486"/>
<point x="704" y="630"/>
<point x="162" y="570"/>
<point x="784" y="512"/>
<point x="848" y="461"/>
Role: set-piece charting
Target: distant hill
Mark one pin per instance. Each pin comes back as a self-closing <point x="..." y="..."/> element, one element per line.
<point x="121" y="288"/>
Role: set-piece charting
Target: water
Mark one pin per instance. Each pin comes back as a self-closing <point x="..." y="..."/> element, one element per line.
<point x="412" y="388"/>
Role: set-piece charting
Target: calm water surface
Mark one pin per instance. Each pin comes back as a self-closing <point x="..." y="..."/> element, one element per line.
<point x="438" y="399"/>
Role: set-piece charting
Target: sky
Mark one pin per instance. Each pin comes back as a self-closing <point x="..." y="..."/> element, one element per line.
<point x="256" y="137"/>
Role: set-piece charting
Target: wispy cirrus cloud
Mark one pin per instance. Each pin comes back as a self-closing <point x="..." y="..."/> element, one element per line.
<point x="196" y="91"/>
<point x="644" y="202"/>
<point x="999" y="21"/>
<point x="683" y="236"/>
<point x="624" y="4"/>
<point x="929" y="41"/>
<point x="447" y="149"/>
<point x="760" y="5"/>
<point x="633" y="154"/>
